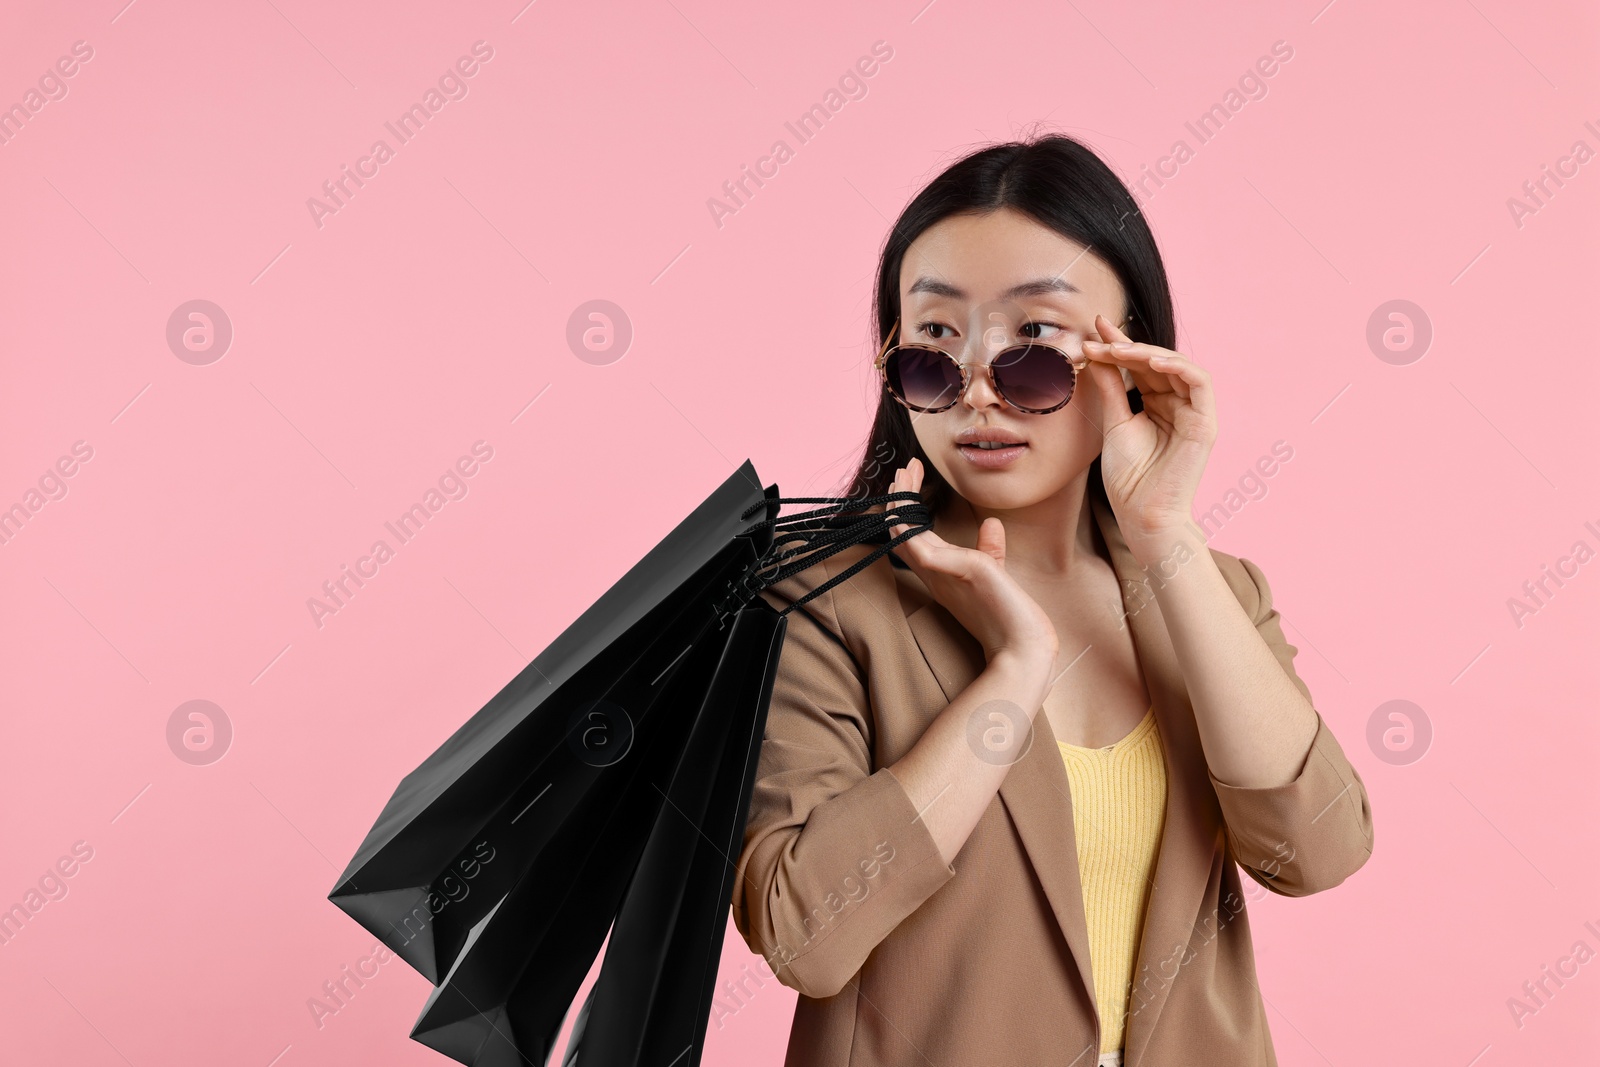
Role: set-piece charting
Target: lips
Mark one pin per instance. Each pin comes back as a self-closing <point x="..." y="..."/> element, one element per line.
<point x="987" y="437"/>
<point x="990" y="447"/>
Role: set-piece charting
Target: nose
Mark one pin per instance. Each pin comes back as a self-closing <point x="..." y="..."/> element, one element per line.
<point x="981" y="392"/>
<point x="980" y="349"/>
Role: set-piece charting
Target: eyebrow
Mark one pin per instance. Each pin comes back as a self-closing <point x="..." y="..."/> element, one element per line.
<point x="1037" y="287"/>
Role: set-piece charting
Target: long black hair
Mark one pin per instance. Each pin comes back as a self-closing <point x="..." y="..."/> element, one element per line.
<point x="1058" y="182"/>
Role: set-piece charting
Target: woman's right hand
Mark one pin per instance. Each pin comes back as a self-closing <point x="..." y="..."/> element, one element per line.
<point x="974" y="586"/>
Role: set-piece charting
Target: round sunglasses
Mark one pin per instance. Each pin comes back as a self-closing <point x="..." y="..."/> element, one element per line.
<point x="1031" y="376"/>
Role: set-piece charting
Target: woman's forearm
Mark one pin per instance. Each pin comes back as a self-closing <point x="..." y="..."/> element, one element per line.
<point x="1255" y="725"/>
<point x="954" y="770"/>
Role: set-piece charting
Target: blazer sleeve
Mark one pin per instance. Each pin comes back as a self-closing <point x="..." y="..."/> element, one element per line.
<point x="1315" y="831"/>
<point x="835" y="855"/>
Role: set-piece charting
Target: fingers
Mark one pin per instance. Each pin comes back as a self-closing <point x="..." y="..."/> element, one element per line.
<point x="1115" y="408"/>
<point x="1155" y="369"/>
<point x="894" y="487"/>
<point x="907" y="478"/>
<point x="992" y="538"/>
<point x="1108" y="330"/>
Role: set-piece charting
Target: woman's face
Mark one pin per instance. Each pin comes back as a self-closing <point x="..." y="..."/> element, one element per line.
<point x="959" y="291"/>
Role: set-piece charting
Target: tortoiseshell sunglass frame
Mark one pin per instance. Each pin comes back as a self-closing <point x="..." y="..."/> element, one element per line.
<point x="881" y="363"/>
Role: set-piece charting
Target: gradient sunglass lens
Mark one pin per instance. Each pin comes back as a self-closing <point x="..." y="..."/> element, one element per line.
<point x="924" y="378"/>
<point x="1034" y="378"/>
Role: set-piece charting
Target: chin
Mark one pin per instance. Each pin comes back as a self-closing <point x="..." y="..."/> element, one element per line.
<point x="1018" y="486"/>
<point x="1000" y="490"/>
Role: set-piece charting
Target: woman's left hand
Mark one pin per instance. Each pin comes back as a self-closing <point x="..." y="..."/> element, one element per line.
<point x="1151" y="462"/>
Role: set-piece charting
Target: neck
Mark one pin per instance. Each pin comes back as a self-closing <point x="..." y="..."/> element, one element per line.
<point x="1045" y="541"/>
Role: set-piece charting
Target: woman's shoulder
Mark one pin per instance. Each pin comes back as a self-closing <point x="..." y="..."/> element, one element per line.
<point x="1245" y="579"/>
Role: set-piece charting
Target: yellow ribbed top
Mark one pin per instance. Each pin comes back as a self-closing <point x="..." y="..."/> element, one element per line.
<point x="1119" y="804"/>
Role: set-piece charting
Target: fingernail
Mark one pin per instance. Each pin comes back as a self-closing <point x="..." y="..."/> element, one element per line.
<point x="1122" y="346"/>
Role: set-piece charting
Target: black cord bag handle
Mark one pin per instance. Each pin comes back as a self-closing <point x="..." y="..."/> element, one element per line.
<point x="803" y="540"/>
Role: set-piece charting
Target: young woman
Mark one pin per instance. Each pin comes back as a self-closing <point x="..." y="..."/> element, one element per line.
<point x="1012" y="769"/>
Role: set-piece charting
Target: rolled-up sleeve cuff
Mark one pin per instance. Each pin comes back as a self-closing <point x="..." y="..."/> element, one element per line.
<point x="899" y="866"/>
<point x="1308" y="834"/>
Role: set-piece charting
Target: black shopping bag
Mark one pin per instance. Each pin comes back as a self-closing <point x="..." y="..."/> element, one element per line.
<point x="453" y="839"/>
<point x="522" y="966"/>
<point x="652" y="1001"/>
<point x="645" y="749"/>
<point x="506" y="1000"/>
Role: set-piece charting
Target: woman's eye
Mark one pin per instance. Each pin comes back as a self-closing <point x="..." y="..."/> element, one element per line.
<point x="927" y="329"/>
<point x="1036" y="326"/>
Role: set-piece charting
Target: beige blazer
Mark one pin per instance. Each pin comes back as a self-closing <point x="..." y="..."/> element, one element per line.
<point x="901" y="959"/>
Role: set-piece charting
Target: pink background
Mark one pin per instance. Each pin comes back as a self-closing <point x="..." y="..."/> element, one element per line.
<point x="432" y="309"/>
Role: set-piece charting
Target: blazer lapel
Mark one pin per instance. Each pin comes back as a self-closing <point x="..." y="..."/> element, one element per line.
<point x="1037" y="795"/>
<point x="1035" y="791"/>
<point x="1189" y="834"/>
